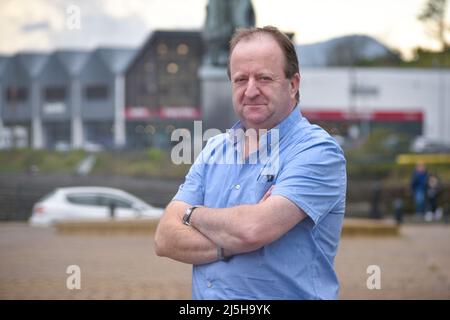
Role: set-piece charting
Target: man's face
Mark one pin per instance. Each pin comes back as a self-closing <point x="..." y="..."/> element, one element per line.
<point x="262" y="96"/>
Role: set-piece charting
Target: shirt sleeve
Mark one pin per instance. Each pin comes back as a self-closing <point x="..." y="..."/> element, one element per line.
<point x="192" y="191"/>
<point x="313" y="178"/>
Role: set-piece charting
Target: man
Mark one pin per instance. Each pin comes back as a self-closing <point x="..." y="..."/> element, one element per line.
<point x="270" y="229"/>
<point x="419" y="182"/>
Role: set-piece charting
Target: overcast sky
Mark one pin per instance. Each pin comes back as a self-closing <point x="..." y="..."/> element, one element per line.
<point x="42" y="24"/>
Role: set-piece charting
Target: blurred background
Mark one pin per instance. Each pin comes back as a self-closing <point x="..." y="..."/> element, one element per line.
<point x="91" y="91"/>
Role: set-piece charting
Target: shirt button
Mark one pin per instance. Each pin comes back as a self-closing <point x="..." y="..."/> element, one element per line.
<point x="209" y="284"/>
<point x="237" y="187"/>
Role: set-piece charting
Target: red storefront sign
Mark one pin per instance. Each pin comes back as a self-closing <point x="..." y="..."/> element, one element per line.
<point x="337" y="115"/>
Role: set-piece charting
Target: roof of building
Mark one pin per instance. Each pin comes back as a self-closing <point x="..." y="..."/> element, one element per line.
<point x="166" y="34"/>
<point x="32" y="62"/>
<point x="116" y="59"/>
<point x="72" y="60"/>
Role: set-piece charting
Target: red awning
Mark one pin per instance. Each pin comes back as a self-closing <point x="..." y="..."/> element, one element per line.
<point x="338" y="115"/>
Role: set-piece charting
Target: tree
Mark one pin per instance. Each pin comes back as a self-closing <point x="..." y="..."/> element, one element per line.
<point x="433" y="13"/>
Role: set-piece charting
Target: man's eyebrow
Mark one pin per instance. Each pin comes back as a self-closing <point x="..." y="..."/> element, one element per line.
<point x="265" y="73"/>
<point x="258" y="74"/>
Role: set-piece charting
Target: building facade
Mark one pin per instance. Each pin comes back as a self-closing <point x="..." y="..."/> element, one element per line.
<point x="135" y="98"/>
<point x="162" y="87"/>
<point x="412" y="101"/>
<point x="20" y="97"/>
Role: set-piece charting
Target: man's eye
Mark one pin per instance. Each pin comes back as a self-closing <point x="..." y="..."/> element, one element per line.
<point x="239" y="80"/>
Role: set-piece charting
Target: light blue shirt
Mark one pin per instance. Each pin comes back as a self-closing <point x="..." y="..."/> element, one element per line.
<point x="310" y="172"/>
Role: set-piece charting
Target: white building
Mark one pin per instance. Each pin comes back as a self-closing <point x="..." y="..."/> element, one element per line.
<point x="379" y="95"/>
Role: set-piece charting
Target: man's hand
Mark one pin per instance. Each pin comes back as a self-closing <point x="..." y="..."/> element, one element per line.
<point x="237" y="229"/>
<point x="177" y="241"/>
<point x="245" y="228"/>
<point x="267" y="194"/>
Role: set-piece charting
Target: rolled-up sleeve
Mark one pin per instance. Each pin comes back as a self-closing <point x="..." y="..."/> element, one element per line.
<point x="192" y="189"/>
<point x="313" y="178"/>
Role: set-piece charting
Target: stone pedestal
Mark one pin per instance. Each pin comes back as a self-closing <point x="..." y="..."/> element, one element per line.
<point x="217" y="107"/>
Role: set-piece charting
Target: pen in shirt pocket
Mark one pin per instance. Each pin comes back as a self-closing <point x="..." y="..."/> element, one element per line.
<point x="268" y="177"/>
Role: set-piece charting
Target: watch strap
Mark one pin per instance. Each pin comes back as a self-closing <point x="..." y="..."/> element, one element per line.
<point x="188" y="214"/>
<point x="220" y="254"/>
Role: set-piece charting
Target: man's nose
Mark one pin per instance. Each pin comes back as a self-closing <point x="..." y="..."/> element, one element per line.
<point x="252" y="89"/>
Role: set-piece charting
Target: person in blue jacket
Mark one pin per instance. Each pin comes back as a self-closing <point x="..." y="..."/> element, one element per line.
<point x="419" y="182"/>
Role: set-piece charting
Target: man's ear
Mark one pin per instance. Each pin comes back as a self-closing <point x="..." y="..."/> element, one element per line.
<point x="295" y="85"/>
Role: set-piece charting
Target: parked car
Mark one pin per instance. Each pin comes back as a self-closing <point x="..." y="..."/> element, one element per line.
<point x="90" y="203"/>
<point x="422" y="144"/>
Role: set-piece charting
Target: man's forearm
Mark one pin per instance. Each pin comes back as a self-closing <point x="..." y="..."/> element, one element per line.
<point x="246" y="228"/>
<point x="189" y="246"/>
<point x="180" y="242"/>
<point x="226" y="230"/>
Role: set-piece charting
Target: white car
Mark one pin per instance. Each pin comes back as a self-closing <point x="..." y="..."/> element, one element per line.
<point x="90" y="203"/>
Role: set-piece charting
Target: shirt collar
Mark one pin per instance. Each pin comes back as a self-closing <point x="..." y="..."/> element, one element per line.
<point x="235" y="134"/>
<point x="288" y="122"/>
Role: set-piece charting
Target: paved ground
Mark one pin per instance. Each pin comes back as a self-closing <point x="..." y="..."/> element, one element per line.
<point x="33" y="264"/>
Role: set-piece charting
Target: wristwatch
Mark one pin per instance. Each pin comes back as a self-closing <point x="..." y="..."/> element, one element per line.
<point x="220" y="254"/>
<point x="187" y="215"/>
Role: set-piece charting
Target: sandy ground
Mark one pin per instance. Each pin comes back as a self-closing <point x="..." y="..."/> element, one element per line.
<point x="33" y="264"/>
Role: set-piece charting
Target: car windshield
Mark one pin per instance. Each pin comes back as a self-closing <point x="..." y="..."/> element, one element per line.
<point x="48" y="196"/>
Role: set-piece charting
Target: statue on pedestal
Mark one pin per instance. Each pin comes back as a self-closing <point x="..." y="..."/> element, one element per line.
<point x="222" y="18"/>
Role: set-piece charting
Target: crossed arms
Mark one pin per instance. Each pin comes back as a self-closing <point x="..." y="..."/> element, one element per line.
<point x="237" y="229"/>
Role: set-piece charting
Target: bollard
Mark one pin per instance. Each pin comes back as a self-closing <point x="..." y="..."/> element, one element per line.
<point x="375" y="212"/>
<point x="398" y="210"/>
